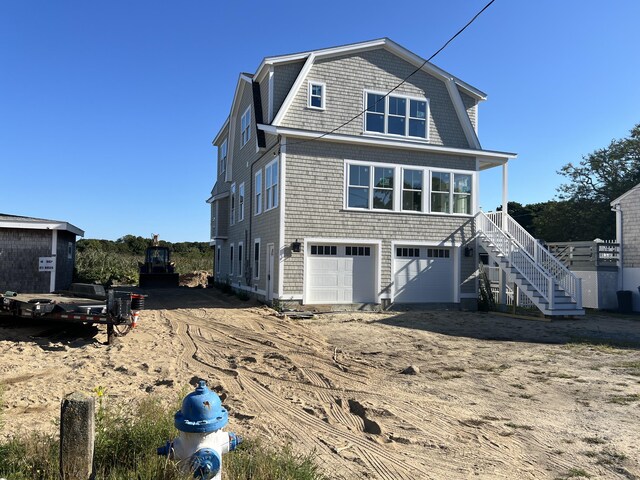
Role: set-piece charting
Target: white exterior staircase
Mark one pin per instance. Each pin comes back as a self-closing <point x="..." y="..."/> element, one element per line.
<point x="551" y="286"/>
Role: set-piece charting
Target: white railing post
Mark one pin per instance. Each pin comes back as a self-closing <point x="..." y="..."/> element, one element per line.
<point x="551" y="293"/>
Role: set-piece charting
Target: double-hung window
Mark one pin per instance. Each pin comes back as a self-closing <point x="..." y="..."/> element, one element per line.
<point x="396" y="115"/>
<point x="258" y="190"/>
<point x="241" y="202"/>
<point x="412" y="189"/>
<point x="461" y="193"/>
<point x="231" y="259"/>
<point x="440" y="191"/>
<point x="232" y="200"/>
<point x="316" y="95"/>
<point x="240" y="258"/>
<point x="359" y="186"/>
<point x="223" y="157"/>
<point x="271" y="185"/>
<point x="383" y="188"/>
<point x="245" y="127"/>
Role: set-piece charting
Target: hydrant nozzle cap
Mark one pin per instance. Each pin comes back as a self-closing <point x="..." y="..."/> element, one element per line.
<point x="201" y="412"/>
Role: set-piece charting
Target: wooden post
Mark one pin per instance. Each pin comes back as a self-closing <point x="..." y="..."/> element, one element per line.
<point x="77" y="437"/>
<point x="515" y="298"/>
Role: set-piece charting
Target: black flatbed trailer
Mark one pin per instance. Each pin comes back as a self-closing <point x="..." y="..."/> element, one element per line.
<point x="119" y="312"/>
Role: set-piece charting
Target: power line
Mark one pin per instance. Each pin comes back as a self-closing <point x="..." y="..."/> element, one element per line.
<point x="400" y="84"/>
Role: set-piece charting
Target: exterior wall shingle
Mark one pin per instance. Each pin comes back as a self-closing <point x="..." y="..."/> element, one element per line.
<point x="631" y="229"/>
<point x="347" y="77"/>
<point x="315" y="199"/>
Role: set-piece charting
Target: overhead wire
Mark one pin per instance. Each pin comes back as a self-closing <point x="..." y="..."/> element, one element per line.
<point x="480" y="12"/>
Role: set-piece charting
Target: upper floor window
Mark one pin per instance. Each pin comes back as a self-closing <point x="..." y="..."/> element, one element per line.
<point x="271" y="185"/>
<point x="396" y="115"/>
<point x="245" y="127"/>
<point x="412" y="189"/>
<point x="241" y="202"/>
<point x="316" y="95"/>
<point x="223" y="157"/>
<point x="361" y="195"/>
<point x="258" y="191"/>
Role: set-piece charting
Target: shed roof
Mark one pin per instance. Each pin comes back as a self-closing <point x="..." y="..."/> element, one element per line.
<point x="17" y="221"/>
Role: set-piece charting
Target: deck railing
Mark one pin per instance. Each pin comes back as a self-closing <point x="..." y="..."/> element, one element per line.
<point x="539" y="254"/>
<point x="517" y="256"/>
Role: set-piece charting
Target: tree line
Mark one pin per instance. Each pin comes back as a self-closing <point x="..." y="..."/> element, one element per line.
<point x="582" y="210"/>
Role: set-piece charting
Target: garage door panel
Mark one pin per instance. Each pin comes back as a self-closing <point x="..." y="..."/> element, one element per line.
<point x="420" y="278"/>
<point x="340" y="278"/>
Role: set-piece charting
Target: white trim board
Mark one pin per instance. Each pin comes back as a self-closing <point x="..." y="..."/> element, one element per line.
<point x="486" y="158"/>
<point x="42" y="225"/>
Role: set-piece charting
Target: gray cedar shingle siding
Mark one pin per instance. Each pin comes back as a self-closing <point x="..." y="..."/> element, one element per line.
<point x="471" y="106"/>
<point x="20" y="250"/>
<point x="347" y="77"/>
<point x="64" y="264"/>
<point x="315" y="199"/>
<point x="631" y="229"/>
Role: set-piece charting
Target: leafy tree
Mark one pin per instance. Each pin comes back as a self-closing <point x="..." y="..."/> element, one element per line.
<point x="604" y="174"/>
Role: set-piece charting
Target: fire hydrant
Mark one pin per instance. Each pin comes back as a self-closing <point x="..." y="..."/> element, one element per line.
<point x="201" y="443"/>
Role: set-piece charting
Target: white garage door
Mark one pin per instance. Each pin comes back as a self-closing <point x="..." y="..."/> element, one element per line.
<point x="423" y="274"/>
<point x="340" y="273"/>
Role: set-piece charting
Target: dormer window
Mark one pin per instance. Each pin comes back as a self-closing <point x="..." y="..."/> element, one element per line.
<point x="316" y="95"/>
<point x="396" y="115"/>
<point x="245" y="127"/>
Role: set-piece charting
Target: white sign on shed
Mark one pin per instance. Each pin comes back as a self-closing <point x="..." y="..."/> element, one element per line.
<point x="46" y="264"/>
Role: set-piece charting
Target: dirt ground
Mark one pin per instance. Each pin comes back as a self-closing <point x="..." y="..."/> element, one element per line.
<point x="484" y="396"/>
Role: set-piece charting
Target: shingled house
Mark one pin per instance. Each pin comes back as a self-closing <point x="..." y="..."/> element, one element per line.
<point x="36" y="255"/>
<point x="350" y="176"/>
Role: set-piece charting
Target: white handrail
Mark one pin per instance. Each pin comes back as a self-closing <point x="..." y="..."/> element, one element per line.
<point x="567" y="280"/>
<point x="542" y="281"/>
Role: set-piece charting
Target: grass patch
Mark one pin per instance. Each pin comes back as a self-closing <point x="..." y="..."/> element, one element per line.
<point x="125" y="449"/>
<point x="494" y="368"/>
<point x="526" y="396"/>
<point x="610" y="457"/>
<point x="624" y="399"/>
<point x="518" y="386"/>
<point x="563" y="375"/>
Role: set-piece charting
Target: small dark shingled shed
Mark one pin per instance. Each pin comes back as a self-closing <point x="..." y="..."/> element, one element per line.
<point x="36" y="255"/>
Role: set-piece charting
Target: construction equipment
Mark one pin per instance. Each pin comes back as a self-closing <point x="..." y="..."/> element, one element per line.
<point x="158" y="271"/>
<point x="119" y="310"/>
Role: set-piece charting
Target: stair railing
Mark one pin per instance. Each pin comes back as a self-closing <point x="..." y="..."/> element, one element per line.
<point x="564" y="277"/>
<point x="517" y="257"/>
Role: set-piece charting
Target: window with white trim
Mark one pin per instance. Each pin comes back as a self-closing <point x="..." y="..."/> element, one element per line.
<point x="258" y="190"/>
<point x="438" y="253"/>
<point x="240" y="258"/>
<point x="245" y="127"/>
<point x="271" y="185"/>
<point x="316" y="95"/>
<point x="241" y="202"/>
<point x="231" y="259"/>
<point x="396" y="115"/>
<point x="371" y="186"/>
<point x="232" y="201"/>
<point x="256" y="259"/>
<point x="223" y="157"/>
<point x="383" y="188"/>
<point x="411" y="189"/>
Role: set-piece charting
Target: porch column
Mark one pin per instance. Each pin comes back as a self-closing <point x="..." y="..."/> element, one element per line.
<point x="505" y="201"/>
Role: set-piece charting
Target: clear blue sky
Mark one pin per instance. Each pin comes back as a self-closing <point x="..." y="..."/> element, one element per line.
<point x="108" y="109"/>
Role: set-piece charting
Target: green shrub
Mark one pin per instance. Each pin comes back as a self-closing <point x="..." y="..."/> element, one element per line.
<point x="125" y="448"/>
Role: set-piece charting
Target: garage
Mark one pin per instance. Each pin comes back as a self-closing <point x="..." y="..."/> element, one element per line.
<point x="338" y="273"/>
<point x="423" y="274"/>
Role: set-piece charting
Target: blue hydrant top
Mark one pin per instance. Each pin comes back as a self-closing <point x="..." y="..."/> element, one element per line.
<point x="201" y="412"/>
